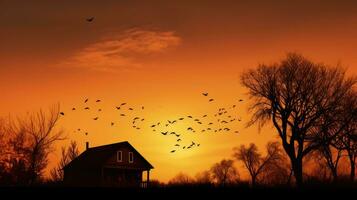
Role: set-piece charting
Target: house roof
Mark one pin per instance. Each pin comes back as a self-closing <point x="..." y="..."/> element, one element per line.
<point x="96" y="156"/>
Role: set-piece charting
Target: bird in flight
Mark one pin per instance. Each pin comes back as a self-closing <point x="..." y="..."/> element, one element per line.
<point x="178" y="140"/>
<point x="90" y="19"/>
<point x="98" y="101"/>
<point x="99" y="109"/>
<point x="112" y="124"/>
<point x="96" y="118"/>
<point x="177" y="145"/>
<point x="62" y="113"/>
<point x="173" y="151"/>
<point x="86" y="133"/>
<point x="86" y="108"/>
<point x="142" y="107"/>
<point x="240" y="100"/>
<point x="204" y="116"/>
<point x="122" y="104"/>
<point x="189" y="116"/>
<point x="181" y="118"/>
<point x="205" y="94"/>
<point x="85" y="101"/>
<point x="73" y="108"/>
<point x="118" y="107"/>
<point x="210" y="100"/>
<point x="152" y="126"/>
<point x="164" y="133"/>
<point x="122" y="115"/>
<point x="131" y="109"/>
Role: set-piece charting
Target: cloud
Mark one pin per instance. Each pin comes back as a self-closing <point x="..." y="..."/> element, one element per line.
<point x="121" y="51"/>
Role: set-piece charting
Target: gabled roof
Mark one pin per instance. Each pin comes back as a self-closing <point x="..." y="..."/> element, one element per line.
<point x="96" y="156"/>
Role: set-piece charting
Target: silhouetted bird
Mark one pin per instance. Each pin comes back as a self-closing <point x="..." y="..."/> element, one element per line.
<point x="73" y="108"/>
<point x="123" y="104"/>
<point x="210" y="100"/>
<point x="181" y="118"/>
<point x="204" y="116"/>
<point x="177" y="145"/>
<point x="86" y="108"/>
<point x="199" y="122"/>
<point x="62" y="113"/>
<point x="210" y="123"/>
<point x="166" y="124"/>
<point x="137" y="128"/>
<point x="131" y="109"/>
<point x="173" y="121"/>
<point x="178" y="140"/>
<point x="142" y="107"/>
<point x="234" y="106"/>
<point x="90" y="19"/>
<point x="189" y="116"/>
<point x="112" y="124"/>
<point x="86" y="133"/>
<point x="183" y="147"/>
<point x="173" y="151"/>
<point x="240" y="100"/>
<point x="96" y="118"/>
<point x="152" y="126"/>
<point x="79" y="129"/>
<point x="122" y="115"/>
<point x="236" y="131"/>
<point x="98" y="100"/>
<point x="205" y="94"/>
<point x="142" y="119"/>
<point x="172" y="133"/>
<point x="189" y="128"/>
<point x="158" y="123"/>
<point x="196" y="120"/>
<point x="198" y="145"/>
<point x="164" y="133"/>
<point x="118" y="107"/>
<point x="85" y="101"/>
<point x="99" y="109"/>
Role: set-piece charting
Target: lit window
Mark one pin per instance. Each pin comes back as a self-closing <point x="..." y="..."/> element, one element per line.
<point x="119" y="156"/>
<point x="131" y="157"/>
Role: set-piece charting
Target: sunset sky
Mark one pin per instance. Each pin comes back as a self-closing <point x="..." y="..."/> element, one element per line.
<point x="162" y="55"/>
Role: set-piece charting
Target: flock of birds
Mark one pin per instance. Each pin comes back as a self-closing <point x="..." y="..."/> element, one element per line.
<point x="222" y="116"/>
<point x="215" y="123"/>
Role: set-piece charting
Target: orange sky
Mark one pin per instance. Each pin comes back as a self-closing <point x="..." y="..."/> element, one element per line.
<point x="162" y="55"/>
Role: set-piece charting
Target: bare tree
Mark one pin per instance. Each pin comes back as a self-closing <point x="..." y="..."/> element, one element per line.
<point x="224" y="172"/>
<point x="254" y="162"/>
<point x="181" y="179"/>
<point x="33" y="139"/>
<point x="203" y="177"/>
<point x="294" y="95"/>
<point x="67" y="155"/>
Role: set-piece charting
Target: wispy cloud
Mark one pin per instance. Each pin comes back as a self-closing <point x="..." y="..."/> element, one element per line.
<point x="121" y="51"/>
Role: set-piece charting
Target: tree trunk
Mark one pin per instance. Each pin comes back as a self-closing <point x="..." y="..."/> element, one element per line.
<point x="297" y="168"/>
<point x="353" y="166"/>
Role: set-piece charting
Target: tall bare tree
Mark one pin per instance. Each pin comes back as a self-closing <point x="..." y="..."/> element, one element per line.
<point x="294" y="95"/>
<point x="33" y="138"/>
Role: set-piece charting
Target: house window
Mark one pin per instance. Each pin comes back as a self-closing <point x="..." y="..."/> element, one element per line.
<point x="131" y="157"/>
<point x="119" y="156"/>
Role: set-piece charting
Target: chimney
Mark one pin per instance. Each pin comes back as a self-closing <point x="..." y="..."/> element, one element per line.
<point x="87" y="145"/>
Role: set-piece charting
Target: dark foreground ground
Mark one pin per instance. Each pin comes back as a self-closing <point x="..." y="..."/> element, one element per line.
<point x="183" y="193"/>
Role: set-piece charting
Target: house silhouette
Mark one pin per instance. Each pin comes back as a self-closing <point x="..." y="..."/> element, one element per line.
<point x="112" y="165"/>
